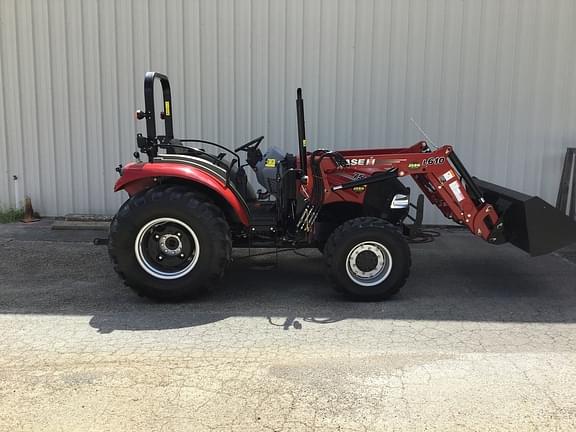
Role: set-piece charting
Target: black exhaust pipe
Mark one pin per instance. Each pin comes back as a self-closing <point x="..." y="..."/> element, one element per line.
<point x="301" y="132"/>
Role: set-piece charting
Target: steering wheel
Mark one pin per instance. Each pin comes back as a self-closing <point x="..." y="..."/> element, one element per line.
<point x="250" y="144"/>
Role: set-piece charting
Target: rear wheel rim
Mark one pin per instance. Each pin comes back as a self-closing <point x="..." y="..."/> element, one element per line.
<point x="167" y="248"/>
<point x="369" y="263"/>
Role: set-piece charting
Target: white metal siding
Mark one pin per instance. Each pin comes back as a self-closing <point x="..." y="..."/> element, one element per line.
<point x="494" y="78"/>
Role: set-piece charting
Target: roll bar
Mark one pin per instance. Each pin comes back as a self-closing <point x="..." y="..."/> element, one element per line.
<point x="147" y="144"/>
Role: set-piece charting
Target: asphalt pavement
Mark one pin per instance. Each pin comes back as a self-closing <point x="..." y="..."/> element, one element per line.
<point x="482" y="337"/>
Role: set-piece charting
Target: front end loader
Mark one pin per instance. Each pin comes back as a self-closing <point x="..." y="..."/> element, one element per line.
<point x="190" y="203"/>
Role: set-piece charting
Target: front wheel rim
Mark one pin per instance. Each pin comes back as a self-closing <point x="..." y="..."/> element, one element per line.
<point x="167" y="248"/>
<point x="369" y="263"/>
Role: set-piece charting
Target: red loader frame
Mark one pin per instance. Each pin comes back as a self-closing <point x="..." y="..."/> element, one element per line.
<point x="443" y="184"/>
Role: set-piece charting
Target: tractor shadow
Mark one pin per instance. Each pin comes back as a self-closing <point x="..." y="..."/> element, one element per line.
<point x="295" y="295"/>
<point x="456" y="278"/>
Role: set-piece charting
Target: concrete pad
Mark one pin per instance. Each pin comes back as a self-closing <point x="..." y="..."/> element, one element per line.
<point x="42" y="231"/>
<point x="81" y="225"/>
<point x="80" y="217"/>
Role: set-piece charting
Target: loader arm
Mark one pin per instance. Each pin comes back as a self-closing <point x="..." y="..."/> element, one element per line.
<point x="494" y="213"/>
<point x="432" y="171"/>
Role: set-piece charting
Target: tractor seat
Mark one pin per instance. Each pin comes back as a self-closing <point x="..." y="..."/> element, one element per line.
<point x="238" y="176"/>
<point x="240" y="180"/>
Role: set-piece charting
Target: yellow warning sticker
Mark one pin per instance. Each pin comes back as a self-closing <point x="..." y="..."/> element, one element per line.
<point x="303" y="143"/>
<point x="270" y="163"/>
<point x="167" y="108"/>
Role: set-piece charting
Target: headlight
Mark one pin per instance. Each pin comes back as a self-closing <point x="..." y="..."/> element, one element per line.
<point x="400" y="201"/>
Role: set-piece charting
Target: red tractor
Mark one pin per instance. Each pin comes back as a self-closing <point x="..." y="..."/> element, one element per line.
<point x="190" y="204"/>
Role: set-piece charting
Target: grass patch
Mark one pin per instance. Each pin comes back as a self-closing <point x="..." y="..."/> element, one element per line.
<point x="10" y="215"/>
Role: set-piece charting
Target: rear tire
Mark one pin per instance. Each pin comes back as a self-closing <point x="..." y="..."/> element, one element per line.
<point x="168" y="243"/>
<point x="367" y="259"/>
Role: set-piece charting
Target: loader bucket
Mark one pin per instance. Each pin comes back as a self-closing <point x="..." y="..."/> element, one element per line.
<point x="529" y="222"/>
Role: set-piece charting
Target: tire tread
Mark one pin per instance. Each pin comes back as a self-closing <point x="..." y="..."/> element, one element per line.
<point x="202" y="208"/>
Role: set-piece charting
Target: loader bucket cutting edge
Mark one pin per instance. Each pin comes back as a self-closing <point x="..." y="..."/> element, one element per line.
<point x="530" y="223"/>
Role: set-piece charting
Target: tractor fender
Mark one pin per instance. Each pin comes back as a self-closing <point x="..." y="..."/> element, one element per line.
<point x="142" y="175"/>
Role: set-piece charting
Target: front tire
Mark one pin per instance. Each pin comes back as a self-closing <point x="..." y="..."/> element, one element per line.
<point x="168" y="243"/>
<point x="367" y="259"/>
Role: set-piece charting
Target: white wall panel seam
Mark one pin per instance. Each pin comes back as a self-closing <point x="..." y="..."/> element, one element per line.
<point x="5" y="198"/>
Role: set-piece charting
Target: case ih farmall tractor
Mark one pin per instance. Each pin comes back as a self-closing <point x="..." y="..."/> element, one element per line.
<point x="190" y="203"/>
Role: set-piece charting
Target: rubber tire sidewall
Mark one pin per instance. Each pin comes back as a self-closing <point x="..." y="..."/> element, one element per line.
<point x="398" y="249"/>
<point x="131" y="223"/>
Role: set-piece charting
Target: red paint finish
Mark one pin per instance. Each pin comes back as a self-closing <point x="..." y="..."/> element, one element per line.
<point x="431" y="170"/>
<point x="138" y="176"/>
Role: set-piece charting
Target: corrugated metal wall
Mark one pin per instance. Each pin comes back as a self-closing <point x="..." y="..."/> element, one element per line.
<point x="495" y="78"/>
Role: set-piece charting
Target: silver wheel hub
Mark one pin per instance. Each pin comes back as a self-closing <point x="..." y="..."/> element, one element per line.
<point x="170" y="244"/>
<point x="167" y="248"/>
<point x="369" y="263"/>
